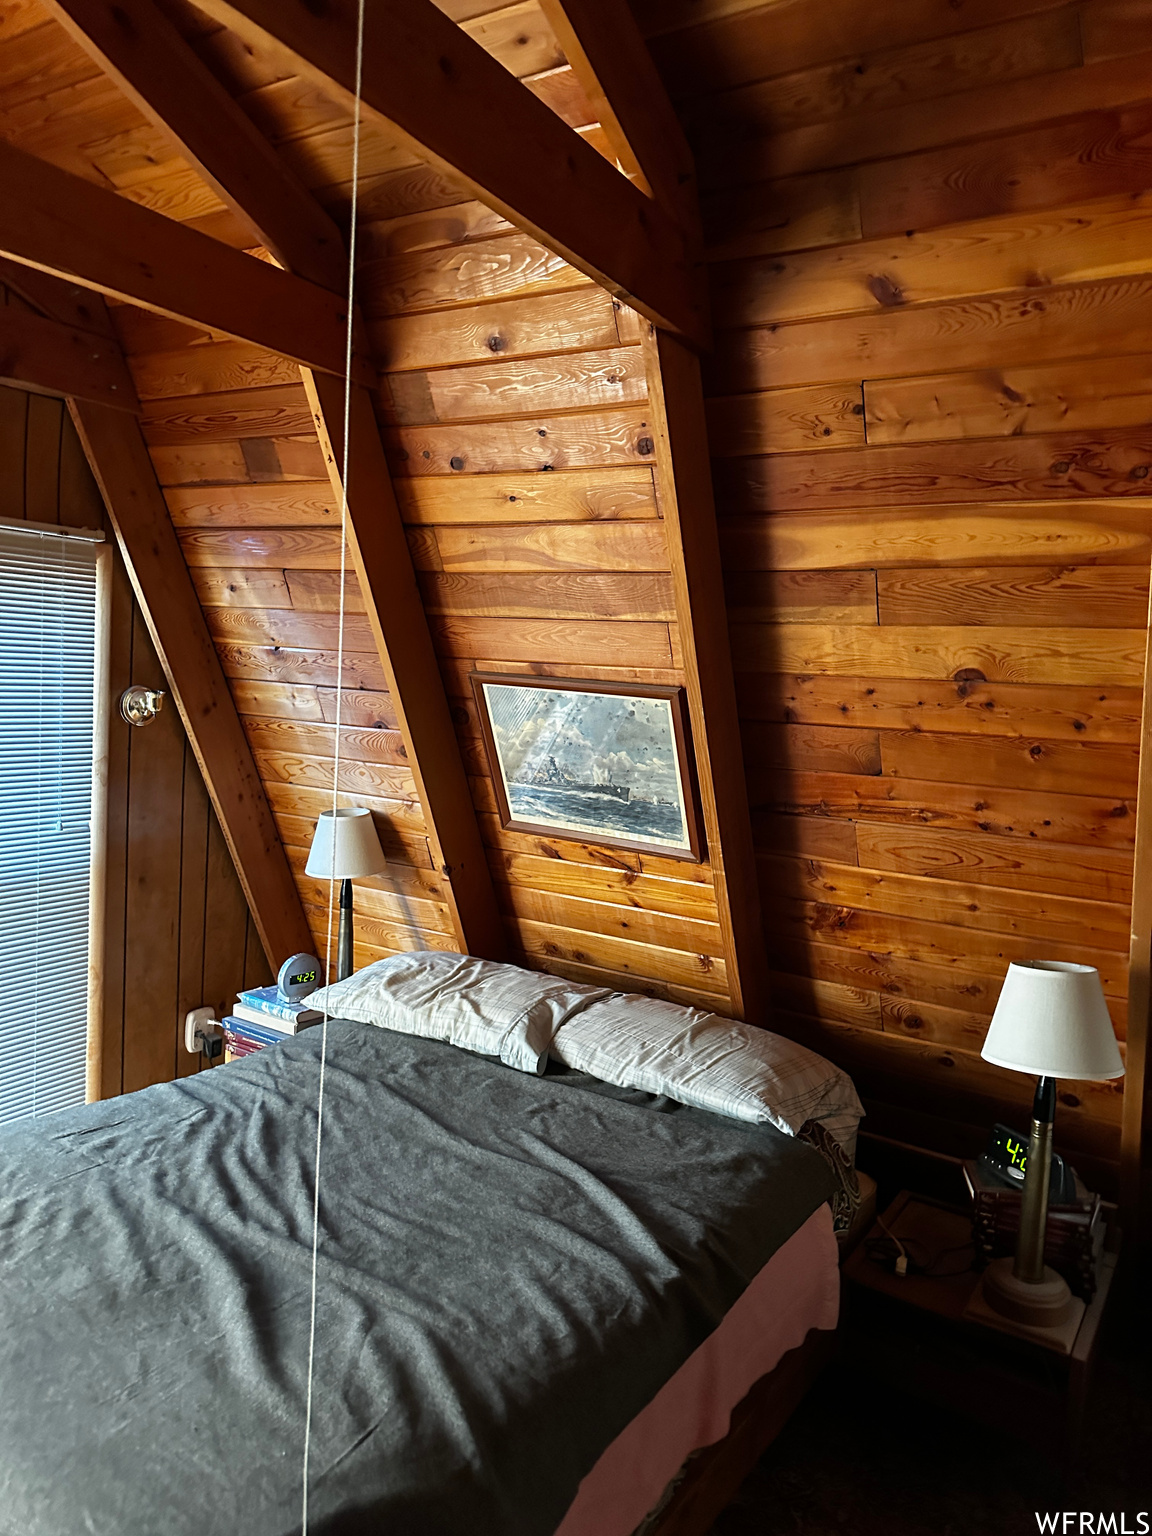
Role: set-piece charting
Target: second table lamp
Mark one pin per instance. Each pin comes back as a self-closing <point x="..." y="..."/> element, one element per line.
<point x="1051" y="1021"/>
<point x="345" y="846"/>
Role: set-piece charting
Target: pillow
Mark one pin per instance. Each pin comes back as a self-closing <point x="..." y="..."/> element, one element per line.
<point x="713" y="1063"/>
<point x="498" y="1010"/>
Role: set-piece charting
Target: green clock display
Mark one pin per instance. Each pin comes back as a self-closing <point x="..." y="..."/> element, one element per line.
<point x="299" y="975"/>
<point x="1007" y="1153"/>
<point x="1017" y="1154"/>
<point x="1007" y="1160"/>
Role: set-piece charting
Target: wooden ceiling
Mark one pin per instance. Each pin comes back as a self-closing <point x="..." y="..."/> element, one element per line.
<point x="248" y="452"/>
<point x="895" y="202"/>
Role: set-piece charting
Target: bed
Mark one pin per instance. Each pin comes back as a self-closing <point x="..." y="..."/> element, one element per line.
<point x="513" y="1269"/>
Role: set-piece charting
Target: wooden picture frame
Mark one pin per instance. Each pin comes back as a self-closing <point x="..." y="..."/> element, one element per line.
<point x="594" y="791"/>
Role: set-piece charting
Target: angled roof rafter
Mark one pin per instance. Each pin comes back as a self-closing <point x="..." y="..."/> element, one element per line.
<point x="454" y="106"/>
<point x="146" y="57"/>
<point x="611" y="60"/>
<point x="60" y="224"/>
<point x="166" y="79"/>
<point x="395" y="612"/>
<point x="119" y="458"/>
<point x="114" y="446"/>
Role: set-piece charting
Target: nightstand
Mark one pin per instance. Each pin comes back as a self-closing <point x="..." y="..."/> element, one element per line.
<point x="911" y="1332"/>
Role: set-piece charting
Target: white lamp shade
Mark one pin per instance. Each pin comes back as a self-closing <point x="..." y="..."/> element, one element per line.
<point x="357" y="846"/>
<point x="1052" y="1021"/>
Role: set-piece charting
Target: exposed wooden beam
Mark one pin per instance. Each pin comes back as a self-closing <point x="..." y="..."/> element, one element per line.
<point x="395" y="611"/>
<point x="684" y="488"/>
<point x="136" y="44"/>
<point x="50" y="358"/>
<point x="611" y="60"/>
<point x="119" y="458"/>
<point x="172" y="87"/>
<point x="448" y="101"/>
<point x="59" y="224"/>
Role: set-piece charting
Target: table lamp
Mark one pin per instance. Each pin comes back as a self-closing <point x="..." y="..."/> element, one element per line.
<point x="1051" y="1021"/>
<point x="345" y="845"/>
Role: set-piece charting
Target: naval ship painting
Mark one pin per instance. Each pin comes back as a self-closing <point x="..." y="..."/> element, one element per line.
<point x="595" y="763"/>
<point x="551" y="776"/>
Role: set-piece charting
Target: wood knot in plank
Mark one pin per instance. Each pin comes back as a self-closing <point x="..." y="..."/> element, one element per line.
<point x="885" y="291"/>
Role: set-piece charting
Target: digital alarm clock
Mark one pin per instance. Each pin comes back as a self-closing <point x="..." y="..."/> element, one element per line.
<point x="299" y="975"/>
<point x="1006" y="1159"/>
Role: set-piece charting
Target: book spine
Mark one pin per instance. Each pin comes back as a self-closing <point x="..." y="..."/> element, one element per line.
<point x="275" y="1010"/>
<point x="241" y="1029"/>
<point x="237" y="1048"/>
<point x="263" y="1020"/>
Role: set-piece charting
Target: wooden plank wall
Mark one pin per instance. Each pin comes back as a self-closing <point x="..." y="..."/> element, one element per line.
<point x="178" y="931"/>
<point x="235" y="449"/>
<point x="234" y="446"/>
<point x="527" y="484"/>
<point x="928" y="237"/>
<point x="931" y="266"/>
<point x="514" y="403"/>
<point x="515" y="415"/>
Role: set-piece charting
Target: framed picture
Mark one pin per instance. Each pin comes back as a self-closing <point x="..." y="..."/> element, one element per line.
<point x="602" y="762"/>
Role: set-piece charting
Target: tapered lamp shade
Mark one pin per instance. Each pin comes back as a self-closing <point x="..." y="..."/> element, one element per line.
<point x="357" y="846"/>
<point x="1052" y="1021"/>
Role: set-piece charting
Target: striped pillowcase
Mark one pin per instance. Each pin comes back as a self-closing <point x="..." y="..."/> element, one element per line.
<point x="713" y="1063"/>
<point x="497" y="1010"/>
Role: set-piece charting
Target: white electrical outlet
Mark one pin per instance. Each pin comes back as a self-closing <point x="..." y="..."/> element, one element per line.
<point x="200" y="1026"/>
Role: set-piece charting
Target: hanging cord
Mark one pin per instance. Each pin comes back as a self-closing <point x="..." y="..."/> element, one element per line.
<point x="335" y="755"/>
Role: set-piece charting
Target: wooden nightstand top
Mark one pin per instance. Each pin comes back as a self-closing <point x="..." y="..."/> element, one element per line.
<point x="933" y="1232"/>
<point x="941" y="1237"/>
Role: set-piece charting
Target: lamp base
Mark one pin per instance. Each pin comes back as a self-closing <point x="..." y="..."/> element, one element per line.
<point x="1044" y="1310"/>
<point x="1043" y="1303"/>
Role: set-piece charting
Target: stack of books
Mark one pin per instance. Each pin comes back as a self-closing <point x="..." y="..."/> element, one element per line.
<point x="1073" y="1239"/>
<point x="262" y="1018"/>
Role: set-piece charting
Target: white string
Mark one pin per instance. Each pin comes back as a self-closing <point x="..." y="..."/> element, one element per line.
<point x="335" y="755"/>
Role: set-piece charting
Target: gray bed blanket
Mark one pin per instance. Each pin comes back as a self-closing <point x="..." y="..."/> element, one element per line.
<point x="509" y="1268"/>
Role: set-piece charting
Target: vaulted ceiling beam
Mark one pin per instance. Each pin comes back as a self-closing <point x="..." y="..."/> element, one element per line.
<point x="144" y="54"/>
<point x="448" y="101"/>
<point x="684" y="489"/>
<point x="119" y="458"/>
<point x="395" y="612"/>
<point x="53" y="359"/>
<point x="168" y="82"/>
<point x="613" y="64"/>
<point x="57" y="223"/>
<point x="611" y="60"/>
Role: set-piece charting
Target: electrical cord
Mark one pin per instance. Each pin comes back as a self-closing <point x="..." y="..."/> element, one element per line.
<point x="907" y="1256"/>
<point x="901" y="1265"/>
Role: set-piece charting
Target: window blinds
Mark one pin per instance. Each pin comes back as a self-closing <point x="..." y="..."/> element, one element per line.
<point x="47" y="720"/>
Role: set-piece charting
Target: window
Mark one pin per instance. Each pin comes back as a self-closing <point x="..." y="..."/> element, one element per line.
<point x="51" y="679"/>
